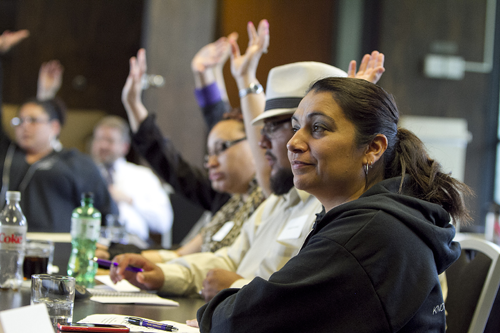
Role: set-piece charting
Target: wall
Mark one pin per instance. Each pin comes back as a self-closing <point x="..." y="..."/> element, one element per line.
<point x="92" y="39"/>
<point x="299" y="30"/>
<point x="174" y="31"/>
<point x="407" y="30"/>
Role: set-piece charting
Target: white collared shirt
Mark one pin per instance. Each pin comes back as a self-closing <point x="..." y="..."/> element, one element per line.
<point x="150" y="209"/>
<point x="261" y="249"/>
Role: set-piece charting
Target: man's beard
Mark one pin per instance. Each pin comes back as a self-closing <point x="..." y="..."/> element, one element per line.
<point x="282" y="181"/>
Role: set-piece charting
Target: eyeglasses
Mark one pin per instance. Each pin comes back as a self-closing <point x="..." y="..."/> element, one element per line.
<point x="272" y="126"/>
<point x="18" y="121"/>
<point x="222" y="146"/>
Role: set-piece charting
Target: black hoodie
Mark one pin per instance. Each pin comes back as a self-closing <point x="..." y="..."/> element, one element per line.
<point x="369" y="265"/>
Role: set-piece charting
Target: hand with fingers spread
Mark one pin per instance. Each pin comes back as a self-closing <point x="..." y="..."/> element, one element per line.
<point x="152" y="278"/>
<point x="216" y="280"/>
<point x="371" y="68"/>
<point x="49" y="80"/>
<point x="213" y="54"/>
<point x="244" y="71"/>
<point x="246" y="64"/>
<point x="132" y="91"/>
<point x="10" y="38"/>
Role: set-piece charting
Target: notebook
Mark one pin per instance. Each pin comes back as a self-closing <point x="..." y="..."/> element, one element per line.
<point x="125" y="293"/>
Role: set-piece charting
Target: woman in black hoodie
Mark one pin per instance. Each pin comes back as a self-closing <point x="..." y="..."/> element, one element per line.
<point x="372" y="261"/>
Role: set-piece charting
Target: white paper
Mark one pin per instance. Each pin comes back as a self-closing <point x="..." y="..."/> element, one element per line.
<point x="293" y="228"/>
<point x="120" y="320"/>
<point x="123" y="285"/>
<point x="136" y="298"/>
<point x="223" y="231"/>
<point x="125" y="293"/>
<point x="14" y="320"/>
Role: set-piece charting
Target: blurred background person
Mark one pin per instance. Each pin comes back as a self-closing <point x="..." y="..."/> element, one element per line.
<point x="143" y="203"/>
<point x="50" y="178"/>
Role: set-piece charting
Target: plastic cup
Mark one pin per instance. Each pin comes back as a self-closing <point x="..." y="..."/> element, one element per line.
<point x="58" y="294"/>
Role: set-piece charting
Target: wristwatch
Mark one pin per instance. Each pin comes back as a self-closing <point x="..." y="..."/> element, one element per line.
<point x="254" y="88"/>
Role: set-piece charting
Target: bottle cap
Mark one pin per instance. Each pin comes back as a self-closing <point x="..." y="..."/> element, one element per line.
<point x="87" y="195"/>
<point x="13" y="195"/>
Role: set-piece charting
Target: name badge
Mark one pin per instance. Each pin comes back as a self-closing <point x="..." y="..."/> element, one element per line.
<point x="293" y="228"/>
<point x="226" y="228"/>
<point x="14" y="320"/>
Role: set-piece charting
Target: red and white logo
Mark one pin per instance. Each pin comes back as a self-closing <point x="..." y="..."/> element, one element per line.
<point x="11" y="238"/>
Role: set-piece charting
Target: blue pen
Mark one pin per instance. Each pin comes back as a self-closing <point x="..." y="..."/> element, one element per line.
<point x="108" y="263"/>
<point x="152" y="324"/>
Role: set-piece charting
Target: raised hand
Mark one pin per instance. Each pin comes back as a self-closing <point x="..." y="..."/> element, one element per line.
<point x="244" y="71"/>
<point x="213" y="54"/>
<point x="371" y="68"/>
<point x="132" y="91"/>
<point x="49" y="79"/>
<point x="10" y="38"/>
<point x="246" y="64"/>
<point x="231" y="38"/>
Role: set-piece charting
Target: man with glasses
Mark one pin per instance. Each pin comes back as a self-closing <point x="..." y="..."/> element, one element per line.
<point x="142" y="202"/>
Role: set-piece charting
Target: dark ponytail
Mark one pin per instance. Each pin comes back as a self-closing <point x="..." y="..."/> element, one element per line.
<point x="373" y="111"/>
<point x="426" y="181"/>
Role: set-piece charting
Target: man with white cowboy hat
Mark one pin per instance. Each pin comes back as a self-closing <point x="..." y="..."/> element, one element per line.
<point x="286" y="86"/>
<point x="276" y="231"/>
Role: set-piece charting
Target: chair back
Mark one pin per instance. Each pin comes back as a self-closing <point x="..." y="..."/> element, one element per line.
<point x="473" y="282"/>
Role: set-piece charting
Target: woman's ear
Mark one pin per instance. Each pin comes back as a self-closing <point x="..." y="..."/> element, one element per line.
<point x="375" y="149"/>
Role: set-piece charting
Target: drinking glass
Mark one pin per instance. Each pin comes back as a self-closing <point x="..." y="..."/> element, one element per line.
<point x="58" y="294"/>
<point x="38" y="257"/>
<point x="115" y="231"/>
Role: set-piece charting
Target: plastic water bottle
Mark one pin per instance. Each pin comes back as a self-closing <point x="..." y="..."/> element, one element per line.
<point x="85" y="229"/>
<point x="12" y="242"/>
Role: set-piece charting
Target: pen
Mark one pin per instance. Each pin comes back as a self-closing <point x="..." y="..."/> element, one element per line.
<point x="108" y="263"/>
<point x="152" y="324"/>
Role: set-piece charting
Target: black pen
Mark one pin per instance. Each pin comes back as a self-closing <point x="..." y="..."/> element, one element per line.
<point x="152" y="324"/>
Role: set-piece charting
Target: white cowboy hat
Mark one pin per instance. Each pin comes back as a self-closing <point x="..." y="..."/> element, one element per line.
<point x="288" y="84"/>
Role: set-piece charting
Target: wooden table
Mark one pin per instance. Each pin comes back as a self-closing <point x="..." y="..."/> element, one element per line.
<point x="186" y="310"/>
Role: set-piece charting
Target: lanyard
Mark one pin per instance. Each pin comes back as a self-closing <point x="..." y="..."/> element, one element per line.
<point x="45" y="163"/>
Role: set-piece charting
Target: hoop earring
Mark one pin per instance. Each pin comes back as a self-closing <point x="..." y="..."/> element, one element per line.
<point x="368" y="166"/>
